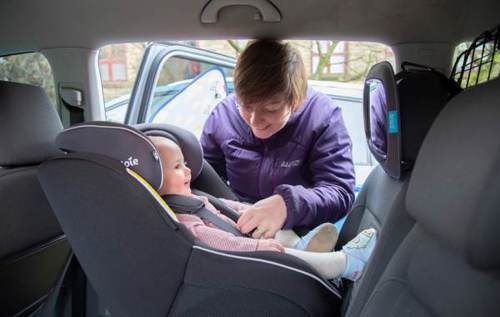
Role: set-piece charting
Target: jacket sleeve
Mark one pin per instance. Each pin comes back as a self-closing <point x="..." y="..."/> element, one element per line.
<point x="332" y="170"/>
<point x="212" y="151"/>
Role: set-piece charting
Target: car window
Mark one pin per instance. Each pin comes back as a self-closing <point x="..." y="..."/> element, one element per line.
<point x="118" y="68"/>
<point x="478" y="61"/>
<point x="176" y="74"/>
<point x="29" y="68"/>
<point x="198" y="97"/>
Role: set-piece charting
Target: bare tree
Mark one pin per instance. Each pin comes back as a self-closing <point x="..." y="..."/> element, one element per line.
<point x="324" y="58"/>
<point x="235" y="45"/>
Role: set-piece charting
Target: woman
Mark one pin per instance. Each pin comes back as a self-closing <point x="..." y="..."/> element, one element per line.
<point x="279" y="144"/>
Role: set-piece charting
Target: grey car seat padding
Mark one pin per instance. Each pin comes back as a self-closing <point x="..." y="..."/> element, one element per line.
<point x="448" y="264"/>
<point x="29" y="125"/>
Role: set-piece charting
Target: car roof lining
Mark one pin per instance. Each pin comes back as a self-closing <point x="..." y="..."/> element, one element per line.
<point x="95" y="23"/>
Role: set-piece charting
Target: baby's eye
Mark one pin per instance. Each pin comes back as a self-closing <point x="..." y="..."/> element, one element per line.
<point x="177" y="166"/>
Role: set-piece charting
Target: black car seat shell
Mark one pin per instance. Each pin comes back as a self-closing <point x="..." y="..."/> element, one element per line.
<point x="33" y="248"/>
<point x="112" y="215"/>
<point x="418" y="95"/>
<point x="448" y="265"/>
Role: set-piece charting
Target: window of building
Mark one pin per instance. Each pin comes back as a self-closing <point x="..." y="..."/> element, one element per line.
<point x="118" y="67"/>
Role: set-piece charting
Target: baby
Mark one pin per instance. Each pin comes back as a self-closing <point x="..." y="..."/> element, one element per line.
<point x="348" y="262"/>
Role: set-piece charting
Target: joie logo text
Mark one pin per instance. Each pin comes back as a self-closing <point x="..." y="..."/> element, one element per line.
<point x="130" y="162"/>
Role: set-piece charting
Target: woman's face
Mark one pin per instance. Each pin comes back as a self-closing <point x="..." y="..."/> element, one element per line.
<point x="265" y="119"/>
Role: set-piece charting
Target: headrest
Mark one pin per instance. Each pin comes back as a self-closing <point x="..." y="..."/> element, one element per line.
<point x="29" y="125"/>
<point x="187" y="141"/>
<point x="117" y="141"/>
<point x="399" y="110"/>
<point x="454" y="192"/>
<point x="423" y="93"/>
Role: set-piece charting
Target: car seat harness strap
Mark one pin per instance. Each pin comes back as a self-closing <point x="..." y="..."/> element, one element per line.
<point x="193" y="206"/>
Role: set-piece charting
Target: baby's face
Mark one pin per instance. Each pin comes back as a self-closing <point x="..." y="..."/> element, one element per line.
<point x="176" y="175"/>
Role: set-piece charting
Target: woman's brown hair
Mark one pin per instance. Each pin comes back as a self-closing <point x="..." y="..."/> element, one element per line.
<point x="270" y="70"/>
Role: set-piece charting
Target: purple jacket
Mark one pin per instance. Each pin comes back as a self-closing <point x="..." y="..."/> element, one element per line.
<point x="308" y="162"/>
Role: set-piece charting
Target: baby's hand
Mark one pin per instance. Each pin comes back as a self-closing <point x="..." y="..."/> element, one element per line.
<point x="236" y="205"/>
<point x="270" y="245"/>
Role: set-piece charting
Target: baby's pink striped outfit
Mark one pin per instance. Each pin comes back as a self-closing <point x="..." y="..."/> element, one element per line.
<point x="217" y="238"/>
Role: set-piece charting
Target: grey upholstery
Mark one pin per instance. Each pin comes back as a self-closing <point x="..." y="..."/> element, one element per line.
<point x="29" y="125"/>
<point x="464" y="148"/>
<point x="33" y="249"/>
<point x="380" y="204"/>
<point x="448" y="265"/>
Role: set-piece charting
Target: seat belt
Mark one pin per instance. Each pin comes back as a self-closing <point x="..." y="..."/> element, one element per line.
<point x="194" y="206"/>
<point x="220" y="205"/>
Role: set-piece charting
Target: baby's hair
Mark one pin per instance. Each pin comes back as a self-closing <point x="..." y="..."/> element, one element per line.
<point x="158" y="140"/>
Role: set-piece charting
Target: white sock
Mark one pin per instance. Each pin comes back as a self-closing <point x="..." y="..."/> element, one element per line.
<point x="329" y="264"/>
<point x="288" y="238"/>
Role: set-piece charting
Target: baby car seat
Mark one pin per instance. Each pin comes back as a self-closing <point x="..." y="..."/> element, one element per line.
<point x="140" y="259"/>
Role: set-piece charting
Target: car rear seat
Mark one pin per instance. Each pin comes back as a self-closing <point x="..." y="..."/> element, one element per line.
<point x="33" y="248"/>
<point x="420" y="95"/>
<point x="449" y="264"/>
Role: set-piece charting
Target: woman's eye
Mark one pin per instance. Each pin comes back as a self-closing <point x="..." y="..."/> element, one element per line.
<point x="272" y="110"/>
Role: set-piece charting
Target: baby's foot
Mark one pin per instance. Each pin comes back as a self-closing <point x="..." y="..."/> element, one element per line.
<point x="357" y="252"/>
<point x="321" y="239"/>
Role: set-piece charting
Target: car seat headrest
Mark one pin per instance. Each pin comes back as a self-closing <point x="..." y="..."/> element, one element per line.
<point x="453" y="192"/>
<point x="187" y="141"/>
<point x="29" y="125"/>
<point x="117" y="141"/>
<point x="399" y="110"/>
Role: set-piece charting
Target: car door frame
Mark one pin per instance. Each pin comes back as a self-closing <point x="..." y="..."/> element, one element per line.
<point x="156" y="54"/>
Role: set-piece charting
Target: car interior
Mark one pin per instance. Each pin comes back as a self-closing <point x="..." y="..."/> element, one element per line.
<point x="72" y="241"/>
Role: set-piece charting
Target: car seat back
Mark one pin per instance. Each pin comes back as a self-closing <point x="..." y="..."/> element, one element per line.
<point x="448" y="265"/>
<point x="415" y="97"/>
<point x="33" y="248"/>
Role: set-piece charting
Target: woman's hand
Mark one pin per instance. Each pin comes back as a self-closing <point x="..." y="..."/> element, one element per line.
<point x="266" y="216"/>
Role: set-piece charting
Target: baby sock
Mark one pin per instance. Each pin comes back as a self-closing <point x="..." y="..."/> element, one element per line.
<point x="329" y="264"/>
<point x="357" y="252"/>
<point x="321" y="239"/>
<point x="288" y="238"/>
<point x="348" y="263"/>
